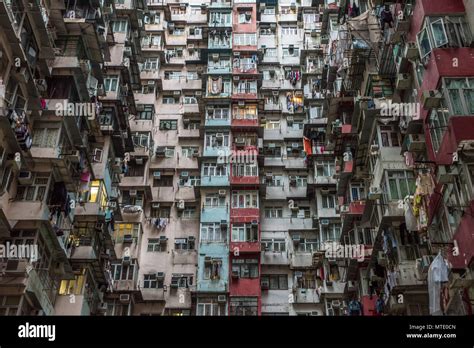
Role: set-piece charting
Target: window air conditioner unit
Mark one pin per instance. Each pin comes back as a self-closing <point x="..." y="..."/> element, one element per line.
<point x="410" y="51"/>
<point x="25" y="178"/>
<point x="160" y="275"/>
<point x="124" y="298"/>
<point x="133" y="193"/>
<point x="126" y="260"/>
<point x="444" y="176"/>
<point x="403" y="81"/>
<point x="295" y="145"/>
<point x="222" y="193"/>
<point x="431" y="99"/>
<point x="176" y="92"/>
<point x="416" y="142"/>
<point x="236" y="78"/>
<point x="157" y="174"/>
<point x="155" y="205"/>
<point x="139" y="160"/>
<point x="254" y="223"/>
<point x="127" y="239"/>
<point x="174" y="282"/>
<point x="221" y="298"/>
<point x="374" y="149"/>
<point x="235" y="274"/>
<point x="296" y="238"/>
<point x="184" y="175"/>
<point x="241" y="104"/>
<point x="344" y="209"/>
<point x="265" y="284"/>
<point x="239" y="141"/>
<point x="112" y="205"/>
<point x="375" y="193"/>
<point x="335" y="303"/>
<point x="324" y="222"/>
<point x="219" y="135"/>
<point x="215" y="57"/>
<point x="163" y="239"/>
<point x="191" y="239"/>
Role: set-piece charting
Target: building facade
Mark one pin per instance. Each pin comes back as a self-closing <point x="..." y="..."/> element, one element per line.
<point x="237" y="158"/>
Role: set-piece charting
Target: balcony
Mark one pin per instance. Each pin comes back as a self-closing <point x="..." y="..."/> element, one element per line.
<point x="244" y="180"/>
<point x="214" y="213"/>
<point x="288" y="17"/>
<point x="301" y="260"/>
<point x="245" y="247"/>
<point x="220" y="4"/>
<point x="175" y="40"/>
<point x="244" y="215"/>
<point x="217" y="122"/>
<point x="44" y="293"/>
<point x="190" y="109"/>
<point x="178" y="298"/>
<point x="245" y="122"/>
<point x="333" y="287"/>
<point x="163" y="194"/>
<point x="274" y="258"/>
<point x="220" y="44"/>
<point x="219" y="69"/>
<point x="244" y="94"/>
<point x="184" y="257"/>
<point x="406" y="276"/>
<point x="215" y="181"/>
<point x="306" y="296"/>
<point x="216" y="151"/>
<point x="152" y="294"/>
<point x="189" y="134"/>
<point x="245" y="69"/>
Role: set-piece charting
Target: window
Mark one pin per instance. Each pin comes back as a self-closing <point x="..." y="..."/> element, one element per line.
<point x="244" y="233"/>
<point x="150" y="281"/>
<point x="210" y="307"/>
<point x="248" y="39"/>
<point x="245" y="170"/>
<point x="291" y="51"/>
<point x="389" y="136"/>
<point x="276" y="281"/>
<point x="162" y="212"/>
<point x="154" y="245"/>
<point x="331" y="232"/>
<point x="98" y="193"/>
<point x="212" y="268"/>
<point x="214" y="169"/>
<point x="460" y="95"/>
<point x="246" y="86"/>
<point x="6" y="179"/>
<point x="438" y="123"/>
<point x="301" y="213"/>
<point x="123" y="229"/>
<point x="212" y="233"/>
<point x="243" y="306"/>
<point x="328" y="201"/>
<point x="189" y="151"/>
<point x="190" y="181"/>
<point x="141" y="139"/>
<point x="217" y="139"/>
<point x="151" y="41"/>
<point x="269" y="10"/>
<point x="189" y="213"/>
<point x="146" y="113"/>
<point x="244" y="199"/>
<point x="168" y="124"/>
<point x="170" y="100"/>
<point x="357" y="193"/>
<point x="111" y="83"/>
<point x="274" y="212"/>
<point x="274" y="245"/>
<point x="183" y="244"/>
<point x="220" y="19"/>
<point x="325" y="168"/>
<point x="245" y="268"/>
<point x="136" y="200"/>
<point x="307" y="281"/>
<point x="272" y="124"/>
<point x="182" y="280"/>
<point x="448" y="31"/>
<point x="37" y="190"/>
<point x="120" y="26"/>
<point x="189" y="100"/>
<point x="151" y="64"/>
<point x="271" y="150"/>
<point x="73" y="286"/>
<point x="163" y="181"/>
<point x="400" y="184"/>
<point x="270" y="52"/>
<point x="217" y="113"/>
<point x="288" y="30"/>
<point x="248" y="112"/>
<point x="307" y="245"/>
<point x="245" y="17"/>
<point x="214" y="200"/>
<point x="46" y="137"/>
<point x="123" y="272"/>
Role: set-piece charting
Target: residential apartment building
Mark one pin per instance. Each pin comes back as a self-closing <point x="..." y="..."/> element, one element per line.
<point x="274" y="157"/>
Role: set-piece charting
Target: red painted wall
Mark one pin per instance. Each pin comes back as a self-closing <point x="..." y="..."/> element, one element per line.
<point x="244" y="28"/>
<point x="464" y="237"/>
